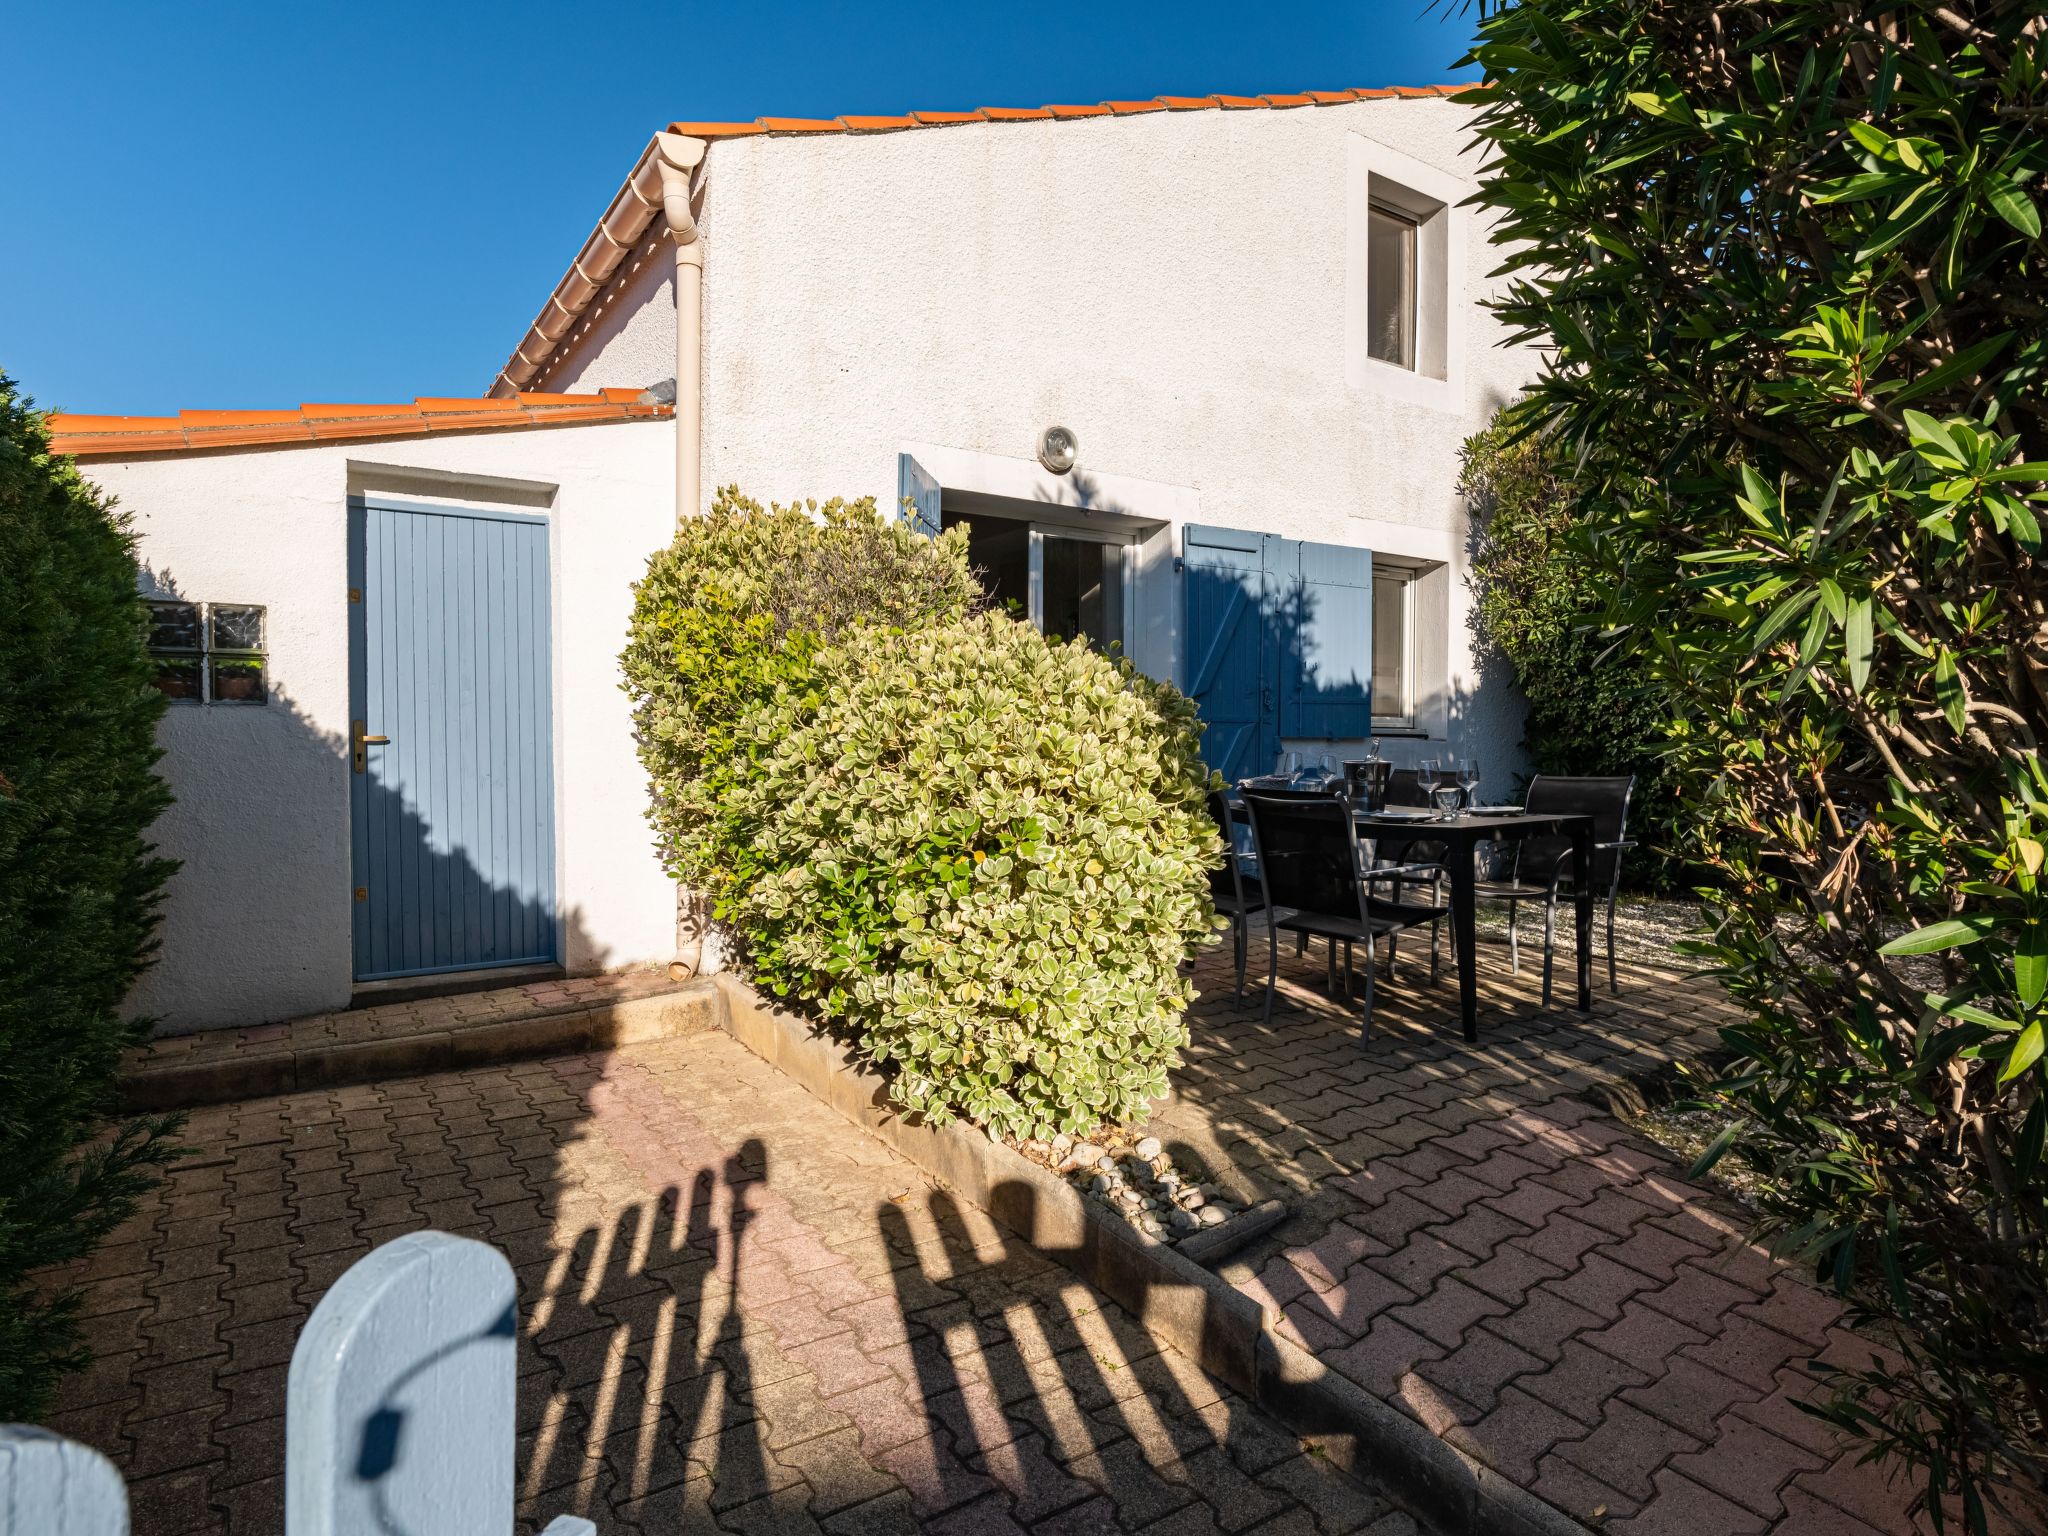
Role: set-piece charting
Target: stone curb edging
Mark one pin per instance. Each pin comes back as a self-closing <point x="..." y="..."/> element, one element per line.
<point x="1199" y="1313"/>
<point x="252" y="1072"/>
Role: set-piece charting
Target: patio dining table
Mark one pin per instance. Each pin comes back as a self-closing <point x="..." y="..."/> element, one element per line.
<point x="1461" y="833"/>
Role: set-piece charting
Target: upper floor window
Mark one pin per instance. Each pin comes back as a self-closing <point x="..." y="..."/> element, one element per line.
<point x="1390" y="285"/>
<point x="1404" y="297"/>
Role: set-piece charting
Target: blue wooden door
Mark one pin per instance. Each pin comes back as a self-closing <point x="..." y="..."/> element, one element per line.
<point x="1230" y="655"/>
<point x="1279" y="644"/>
<point x="1326" y="645"/>
<point x="453" y="811"/>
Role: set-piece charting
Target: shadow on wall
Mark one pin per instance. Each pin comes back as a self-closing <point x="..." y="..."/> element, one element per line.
<point x="1286" y="660"/>
<point x="261" y="919"/>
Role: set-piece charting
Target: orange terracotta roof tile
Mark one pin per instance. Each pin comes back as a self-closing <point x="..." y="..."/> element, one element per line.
<point x="126" y="436"/>
<point x="345" y="412"/>
<point x="716" y="130"/>
<point x="235" y="418"/>
<point x="868" y="123"/>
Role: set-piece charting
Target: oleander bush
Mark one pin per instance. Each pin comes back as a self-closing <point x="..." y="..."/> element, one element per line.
<point x="1538" y="602"/>
<point x="79" y="889"/>
<point x="977" y="855"/>
<point x="1789" y="260"/>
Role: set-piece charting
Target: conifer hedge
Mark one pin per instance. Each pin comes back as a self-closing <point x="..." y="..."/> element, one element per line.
<point x="79" y="888"/>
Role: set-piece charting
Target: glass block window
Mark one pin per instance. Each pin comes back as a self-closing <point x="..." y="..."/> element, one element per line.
<point x="210" y="653"/>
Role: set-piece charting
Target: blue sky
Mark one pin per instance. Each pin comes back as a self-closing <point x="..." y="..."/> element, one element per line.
<point x="229" y="205"/>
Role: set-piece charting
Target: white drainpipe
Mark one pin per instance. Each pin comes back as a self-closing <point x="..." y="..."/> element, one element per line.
<point x="676" y="157"/>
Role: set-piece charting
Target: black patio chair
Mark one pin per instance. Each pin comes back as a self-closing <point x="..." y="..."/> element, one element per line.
<point x="1543" y="864"/>
<point x="1235" y="889"/>
<point x="1413" y="859"/>
<point x="1316" y="885"/>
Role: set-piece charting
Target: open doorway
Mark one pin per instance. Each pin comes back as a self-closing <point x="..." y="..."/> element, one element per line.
<point x="1071" y="583"/>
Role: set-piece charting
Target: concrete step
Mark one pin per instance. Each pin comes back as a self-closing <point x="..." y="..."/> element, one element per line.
<point x="421" y="1035"/>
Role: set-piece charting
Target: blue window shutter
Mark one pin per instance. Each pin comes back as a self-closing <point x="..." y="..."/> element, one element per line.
<point x="1325" y="624"/>
<point x="1228" y="658"/>
<point x="916" y="485"/>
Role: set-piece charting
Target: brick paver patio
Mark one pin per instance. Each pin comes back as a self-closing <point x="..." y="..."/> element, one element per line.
<point x="738" y="1312"/>
<point x="1476" y="1242"/>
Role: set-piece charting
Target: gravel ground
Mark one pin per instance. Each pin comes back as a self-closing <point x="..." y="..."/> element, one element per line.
<point x="1645" y="928"/>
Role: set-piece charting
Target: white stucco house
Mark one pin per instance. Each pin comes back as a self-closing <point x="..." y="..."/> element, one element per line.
<point x="1196" y="370"/>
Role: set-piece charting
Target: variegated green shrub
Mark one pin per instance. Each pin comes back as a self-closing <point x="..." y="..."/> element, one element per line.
<point x="979" y="856"/>
<point x="986" y="853"/>
<point x="731" y="614"/>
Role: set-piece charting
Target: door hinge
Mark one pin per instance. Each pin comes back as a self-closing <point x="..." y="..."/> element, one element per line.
<point x="355" y="594"/>
<point x="362" y="893"/>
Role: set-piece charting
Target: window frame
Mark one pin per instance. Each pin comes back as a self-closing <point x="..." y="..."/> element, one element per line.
<point x="205" y="654"/>
<point x="1408" y="296"/>
<point x="1126" y="574"/>
<point x="1406" y="577"/>
<point x="1382" y="178"/>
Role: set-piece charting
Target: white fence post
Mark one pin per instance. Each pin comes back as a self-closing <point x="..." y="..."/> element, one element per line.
<point x="398" y="1419"/>
<point x="399" y="1414"/>
<point x="50" y="1486"/>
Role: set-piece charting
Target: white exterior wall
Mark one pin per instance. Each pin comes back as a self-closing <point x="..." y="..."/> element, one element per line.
<point x="1171" y="286"/>
<point x="258" y="918"/>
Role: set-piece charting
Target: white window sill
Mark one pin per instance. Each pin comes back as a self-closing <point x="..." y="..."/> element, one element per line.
<point x="1390" y="381"/>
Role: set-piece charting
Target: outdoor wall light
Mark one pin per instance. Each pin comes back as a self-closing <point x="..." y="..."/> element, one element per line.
<point x="1056" y="449"/>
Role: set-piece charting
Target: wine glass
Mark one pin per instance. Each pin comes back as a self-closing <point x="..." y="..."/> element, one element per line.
<point x="1326" y="770"/>
<point x="1372" y="749"/>
<point x="1427" y="772"/>
<point x="1468" y="777"/>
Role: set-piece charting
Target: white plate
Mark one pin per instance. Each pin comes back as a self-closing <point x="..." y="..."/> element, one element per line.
<point x="1402" y="813"/>
<point x="1495" y="810"/>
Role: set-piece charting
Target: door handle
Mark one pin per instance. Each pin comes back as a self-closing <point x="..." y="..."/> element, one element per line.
<point x="360" y="754"/>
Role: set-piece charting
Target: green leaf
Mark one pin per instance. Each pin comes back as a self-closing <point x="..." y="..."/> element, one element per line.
<point x="1949" y="933"/>
<point x="1716" y="1148"/>
<point x="2026" y="1050"/>
<point x="1970" y="1013"/>
<point x="1671" y="109"/>
<point x="2013" y="205"/>
<point x="2030" y="964"/>
<point x="1969" y="361"/>
<point x="1948" y="690"/>
<point x="1832" y="599"/>
<point x="1782" y="618"/>
<point x="2033" y="469"/>
<point x="1927" y="433"/>
<point x="1857" y="643"/>
<point x="1874" y="139"/>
